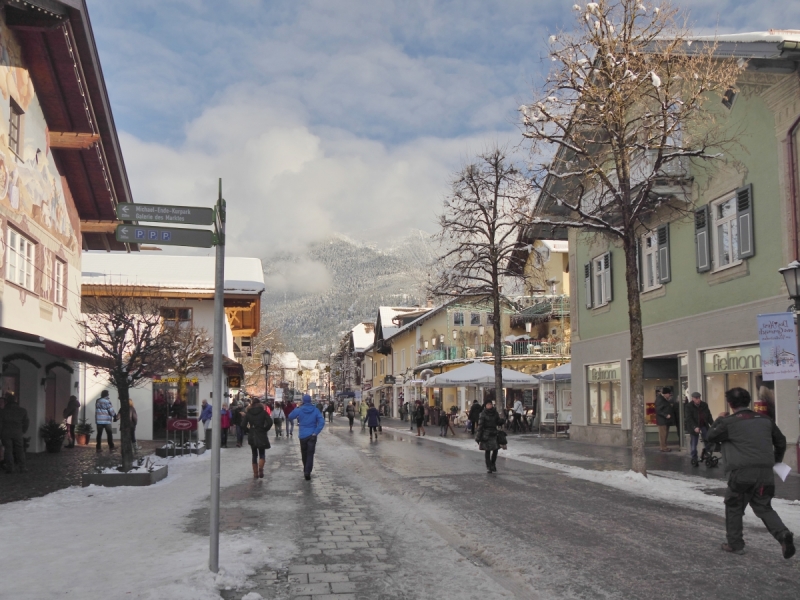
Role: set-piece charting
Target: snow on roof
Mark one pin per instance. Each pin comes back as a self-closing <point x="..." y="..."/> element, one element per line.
<point x="170" y="272"/>
<point x="388" y="314"/>
<point x="775" y="36"/>
<point x="308" y="364"/>
<point x="288" y="360"/>
<point x="363" y="336"/>
<point x="556" y="245"/>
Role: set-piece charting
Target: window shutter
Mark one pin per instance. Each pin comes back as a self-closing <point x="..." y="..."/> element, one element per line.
<point x="701" y="231"/>
<point x="662" y="234"/>
<point x="639" y="264"/>
<point x="587" y="282"/>
<point x="744" y="209"/>
<point x="607" y="276"/>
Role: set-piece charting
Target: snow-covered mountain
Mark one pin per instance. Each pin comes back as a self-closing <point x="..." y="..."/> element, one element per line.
<point x="314" y="297"/>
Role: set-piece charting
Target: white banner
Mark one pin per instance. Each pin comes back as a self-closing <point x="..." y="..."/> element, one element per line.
<point x="777" y="336"/>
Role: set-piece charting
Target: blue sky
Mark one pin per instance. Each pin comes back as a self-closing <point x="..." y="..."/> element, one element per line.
<point x="331" y="116"/>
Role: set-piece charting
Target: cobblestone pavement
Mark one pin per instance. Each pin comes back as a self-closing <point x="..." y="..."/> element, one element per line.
<point x="50" y="472"/>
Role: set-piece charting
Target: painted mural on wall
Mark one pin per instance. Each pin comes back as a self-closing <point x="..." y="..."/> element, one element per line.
<point x="30" y="184"/>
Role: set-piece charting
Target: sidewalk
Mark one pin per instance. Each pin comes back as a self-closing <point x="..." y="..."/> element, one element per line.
<point x="609" y="458"/>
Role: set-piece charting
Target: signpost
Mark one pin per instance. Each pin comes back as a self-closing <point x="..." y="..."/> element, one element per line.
<point x="198" y="238"/>
<point x="165" y="236"/>
<point x="169" y="215"/>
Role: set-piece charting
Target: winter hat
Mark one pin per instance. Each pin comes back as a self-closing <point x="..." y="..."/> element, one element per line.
<point x="306" y="399"/>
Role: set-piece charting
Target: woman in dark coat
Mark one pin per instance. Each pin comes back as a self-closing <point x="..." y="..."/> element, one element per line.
<point x="419" y="417"/>
<point x="258" y="423"/>
<point x="373" y="421"/>
<point x="488" y="424"/>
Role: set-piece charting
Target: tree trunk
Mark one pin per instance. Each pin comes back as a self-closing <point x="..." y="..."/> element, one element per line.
<point x="498" y="352"/>
<point x="639" y="462"/>
<point x="126" y="447"/>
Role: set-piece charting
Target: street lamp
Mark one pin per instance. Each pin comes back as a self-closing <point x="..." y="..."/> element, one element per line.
<point x="266" y="358"/>
<point x="791" y="275"/>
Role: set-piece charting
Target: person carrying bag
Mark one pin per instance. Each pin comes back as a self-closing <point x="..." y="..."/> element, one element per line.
<point x="257" y="422"/>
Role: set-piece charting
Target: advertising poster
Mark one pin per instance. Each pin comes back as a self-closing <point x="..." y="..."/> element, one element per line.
<point x="777" y="336"/>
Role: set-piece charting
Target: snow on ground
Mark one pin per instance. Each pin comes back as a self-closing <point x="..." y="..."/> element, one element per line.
<point x="128" y="542"/>
<point x="675" y="488"/>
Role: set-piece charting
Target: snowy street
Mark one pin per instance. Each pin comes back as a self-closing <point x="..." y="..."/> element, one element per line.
<point x="403" y="517"/>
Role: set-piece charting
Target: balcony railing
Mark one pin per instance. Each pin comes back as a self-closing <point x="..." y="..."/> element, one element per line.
<point x="533" y="348"/>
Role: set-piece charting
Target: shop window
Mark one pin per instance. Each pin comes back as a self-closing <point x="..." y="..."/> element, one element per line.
<point x="59" y="282"/>
<point x="15" y="128"/>
<point x="177" y="317"/>
<point x="458" y="318"/>
<point x="605" y="394"/>
<point x="475" y="319"/>
<point x="20" y="259"/>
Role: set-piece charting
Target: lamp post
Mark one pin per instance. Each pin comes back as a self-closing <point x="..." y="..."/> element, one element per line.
<point x="266" y="358"/>
<point x="791" y="276"/>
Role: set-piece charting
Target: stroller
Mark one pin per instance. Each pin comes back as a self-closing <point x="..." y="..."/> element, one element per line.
<point x="708" y="454"/>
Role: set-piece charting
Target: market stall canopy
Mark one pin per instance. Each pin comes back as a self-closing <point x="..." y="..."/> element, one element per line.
<point x="562" y="373"/>
<point x="480" y="373"/>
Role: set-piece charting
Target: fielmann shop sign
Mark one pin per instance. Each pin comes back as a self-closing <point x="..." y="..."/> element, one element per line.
<point x="734" y="359"/>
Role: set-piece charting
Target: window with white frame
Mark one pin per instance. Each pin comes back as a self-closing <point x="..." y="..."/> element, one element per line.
<point x="650" y="267"/>
<point x="59" y="283"/>
<point x="383" y="366"/>
<point x="458" y="318"/>
<point x="20" y="258"/>
<point x="725" y="232"/>
<point x="475" y="319"/>
<point x="15" y="127"/>
<point x="402" y="361"/>
<point x="412" y="356"/>
<point x="601" y="279"/>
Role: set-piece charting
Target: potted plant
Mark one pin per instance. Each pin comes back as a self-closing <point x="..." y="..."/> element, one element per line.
<point x="83" y="432"/>
<point x="53" y="435"/>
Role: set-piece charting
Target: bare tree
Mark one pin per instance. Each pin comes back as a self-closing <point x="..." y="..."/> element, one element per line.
<point x="188" y="352"/>
<point x="128" y="330"/>
<point x="478" y="229"/>
<point x="631" y="103"/>
<point x="268" y="338"/>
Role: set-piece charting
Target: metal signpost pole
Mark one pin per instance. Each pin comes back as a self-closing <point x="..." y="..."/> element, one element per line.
<point x="216" y="401"/>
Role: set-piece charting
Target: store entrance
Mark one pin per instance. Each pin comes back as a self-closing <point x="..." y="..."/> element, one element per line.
<point x="658" y="374"/>
<point x="736" y="367"/>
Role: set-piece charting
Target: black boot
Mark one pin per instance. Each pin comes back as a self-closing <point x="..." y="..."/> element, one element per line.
<point x="787" y="544"/>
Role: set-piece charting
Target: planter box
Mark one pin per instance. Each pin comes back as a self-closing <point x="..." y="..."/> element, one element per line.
<point x="167" y="452"/>
<point x="137" y="477"/>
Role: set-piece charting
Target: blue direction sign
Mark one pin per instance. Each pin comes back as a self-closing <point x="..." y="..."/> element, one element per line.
<point x="164" y="236"/>
<point x="166" y="214"/>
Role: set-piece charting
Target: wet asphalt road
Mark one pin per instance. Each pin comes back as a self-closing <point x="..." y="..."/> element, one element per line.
<point x="454" y="531"/>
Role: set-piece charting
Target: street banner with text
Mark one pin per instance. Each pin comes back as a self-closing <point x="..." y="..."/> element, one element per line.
<point x="777" y="335"/>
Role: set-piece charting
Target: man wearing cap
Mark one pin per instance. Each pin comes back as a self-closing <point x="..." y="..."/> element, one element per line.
<point x="664" y="416"/>
<point x="698" y="420"/>
<point x="310" y="422"/>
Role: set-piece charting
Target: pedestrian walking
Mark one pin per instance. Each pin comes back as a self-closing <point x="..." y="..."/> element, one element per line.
<point x="179" y="409"/>
<point x="350" y="411"/>
<point x="237" y="411"/>
<point x="104" y="415"/>
<point x="287" y="410"/>
<point x="664" y="416"/>
<point x="134" y="417"/>
<point x="258" y="422"/>
<point x="474" y="414"/>
<point x="698" y="420"/>
<point x="224" y="425"/>
<point x="402" y="412"/>
<point x="518" y="411"/>
<point x="13" y="425"/>
<point x="362" y="411"/>
<point x="373" y="421"/>
<point x="71" y="413"/>
<point x="278" y="417"/>
<point x="488" y="429"/>
<point x="751" y="445"/>
<point x="329" y="410"/>
<point x="205" y="419"/>
<point x="419" y="418"/>
<point x="310" y="423"/>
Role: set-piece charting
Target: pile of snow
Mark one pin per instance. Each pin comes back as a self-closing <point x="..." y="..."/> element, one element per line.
<point x="130" y="542"/>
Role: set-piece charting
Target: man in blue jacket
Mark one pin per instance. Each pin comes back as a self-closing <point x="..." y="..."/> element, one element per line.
<point x="310" y="422"/>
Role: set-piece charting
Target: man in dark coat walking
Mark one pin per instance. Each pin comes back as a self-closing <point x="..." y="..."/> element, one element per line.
<point x="13" y="425"/>
<point x="751" y="445"/>
<point x="474" y="414"/>
<point x="698" y="420"/>
<point x="664" y="416"/>
<point x="486" y="436"/>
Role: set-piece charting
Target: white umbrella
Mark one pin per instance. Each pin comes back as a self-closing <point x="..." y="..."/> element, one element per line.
<point x="480" y="374"/>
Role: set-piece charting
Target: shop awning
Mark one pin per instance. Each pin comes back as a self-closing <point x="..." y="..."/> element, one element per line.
<point x="561" y="373"/>
<point x="54" y="348"/>
<point x="480" y="373"/>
